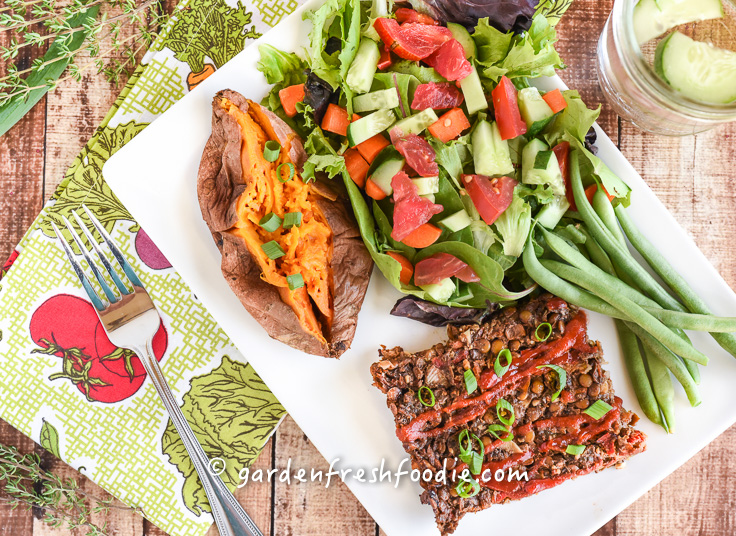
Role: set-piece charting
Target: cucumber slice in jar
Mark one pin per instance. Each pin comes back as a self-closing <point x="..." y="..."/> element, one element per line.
<point x="698" y="70"/>
<point x="652" y="18"/>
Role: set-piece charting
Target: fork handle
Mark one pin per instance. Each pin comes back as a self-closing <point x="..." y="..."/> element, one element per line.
<point x="230" y="518"/>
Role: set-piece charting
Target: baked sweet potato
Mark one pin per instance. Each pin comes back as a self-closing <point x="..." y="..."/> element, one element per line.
<point x="237" y="187"/>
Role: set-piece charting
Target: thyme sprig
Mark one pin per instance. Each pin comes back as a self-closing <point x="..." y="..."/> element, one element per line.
<point x="115" y="32"/>
<point x="25" y="483"/>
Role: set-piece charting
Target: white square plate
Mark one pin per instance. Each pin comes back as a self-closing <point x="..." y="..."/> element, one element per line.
<point x="333" y="401"/>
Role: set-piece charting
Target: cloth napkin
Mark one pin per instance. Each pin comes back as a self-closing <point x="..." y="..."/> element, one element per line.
<point x="63" y="383"/>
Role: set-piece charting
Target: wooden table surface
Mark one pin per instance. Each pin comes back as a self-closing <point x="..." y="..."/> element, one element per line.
<point x="693" y="176"/>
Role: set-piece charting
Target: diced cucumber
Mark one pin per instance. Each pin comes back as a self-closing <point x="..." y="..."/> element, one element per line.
<point x="370" y="125"/>
<point x="490" y="153"/>
<point x="456" y="222"/>
<point x="550" y="175"/>
<point x="697" y="70"/>
<point x="428" y="196"/>
<point x="475" y="98"/>
<point x="427" y="185"/>
<point x="652" y="18"/>
<point x="378" y="100"/>
<point x="415" y="124"/>
<point x="551" y="213"/>
<point x="440" y="292"/>
<point x="542" y="159"/>
<point x="363" y="68"/>
<point x="534" y="110"/>
<point x="385" y="172"/>
<point x="462" y="35"/>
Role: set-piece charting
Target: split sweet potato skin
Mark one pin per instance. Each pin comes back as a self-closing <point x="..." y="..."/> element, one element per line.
<point x="220" y="184"/>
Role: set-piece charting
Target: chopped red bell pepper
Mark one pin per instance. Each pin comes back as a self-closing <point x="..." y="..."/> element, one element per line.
<point x="506" y="107"/>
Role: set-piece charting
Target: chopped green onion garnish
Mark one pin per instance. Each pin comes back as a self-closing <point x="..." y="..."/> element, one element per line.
<point x="272" y="151"/>
<point x="503" y="362"/>
<point x="292" y="171"/>
<point x="502" y="407"/>
<point x="422" y="394"/>
<point x="575" y="449"/>
<point x="292" y="219"/>
<point x="471" y="384"/>
<point x="468" y="488"/>
<point x="495" y="428"/>
<point x="295" y="281"/>
<point x="476" y="463"/>
<point x="546" y="328"/>
<point x="465" y="442"/>
<point x="270" y="222"/>
<point x="561" y="378"/>
<point x="272" y="250"/>
<point x="598" y="409"/>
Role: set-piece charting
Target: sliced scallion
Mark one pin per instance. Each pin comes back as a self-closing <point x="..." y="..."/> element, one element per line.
<point x="575" y="449"/>
<point x="503" y="362"/>
<point x="292" y="171"/>
<point x="598" y="409"/>
<point x="272" y="250"/>
<point x="475" y="464"/>
<point x="546" y="331"/>
<point x="503" y="407"/>
<point x="468" y="488"/>
<point x="423" y="393"/>
<point x="495" y="428"/>
<point x="271" y="151"/>
<point x="270" y="222"/>
<point x="471" y="383"/>
<point x="295" y="281"/>
<point x="292" y="219"/>
<point x="561" y="379"/>
<point x="465" y="442"/>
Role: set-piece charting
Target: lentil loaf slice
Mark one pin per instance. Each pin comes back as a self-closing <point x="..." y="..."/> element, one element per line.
<point x="553" y="440"/>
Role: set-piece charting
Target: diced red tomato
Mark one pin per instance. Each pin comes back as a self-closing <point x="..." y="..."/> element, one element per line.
<point x="490" y="196"/>
<point x="449" y="60"/>
<point x="411" y="41"/>
<point x="404" y="14"/>
<point x="506" y="107"/>
<point x="555" y="100"/>
<point x="384" y="60"/>
<point x="439" y="266"/>
<point x="410" y="209"/>
<point x="436" y="96"/>
<point x="407" y="270"/>
<point x="418" y="153"/>
<point x="562" y="152"/>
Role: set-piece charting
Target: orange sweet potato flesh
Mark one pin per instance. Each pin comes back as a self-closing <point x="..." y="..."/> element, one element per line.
<point x="236" y="188"/>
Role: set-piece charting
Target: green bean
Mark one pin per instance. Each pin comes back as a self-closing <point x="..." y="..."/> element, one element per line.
<point x="670" y="276"/>
<point x="674" y="319"/>
<point x="638" y="374"/>
<point x="594" y="280"/>
<point x="662" y="387"/>
<point x="618" y="254"/>
<point x="603" y="207"/>
<point x="671" y="362"/>
<point x="597" y="255"/>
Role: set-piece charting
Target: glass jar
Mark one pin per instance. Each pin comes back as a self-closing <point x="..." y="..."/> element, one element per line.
<point x="638" y="94"/>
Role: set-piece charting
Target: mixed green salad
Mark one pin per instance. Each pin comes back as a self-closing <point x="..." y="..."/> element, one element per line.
<point x="472" y="187"/>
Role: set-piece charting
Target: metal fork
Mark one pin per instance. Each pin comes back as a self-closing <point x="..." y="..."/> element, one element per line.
<point x="131" y="320"/>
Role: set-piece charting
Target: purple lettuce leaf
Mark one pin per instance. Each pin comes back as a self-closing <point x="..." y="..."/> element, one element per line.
<point x="505" y="15"/>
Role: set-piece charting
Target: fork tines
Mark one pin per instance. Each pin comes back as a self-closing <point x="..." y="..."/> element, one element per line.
<point x="117" y="254"/>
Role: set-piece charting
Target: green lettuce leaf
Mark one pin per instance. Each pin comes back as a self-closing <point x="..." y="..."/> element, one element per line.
<point x="513" y="226"/>
<point x="322" y="156"/>
<point x="492" y="44"/>
<point x="278" y="66"/>
<point x="576" y="119"/>
<point x="405" y="83"/>
<point x="324" y="66"/>
<point x="452" y="156"/>
<point x="423" y="74"/>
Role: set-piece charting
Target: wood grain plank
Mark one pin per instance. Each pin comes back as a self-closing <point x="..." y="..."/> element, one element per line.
<point x="310" y="509"/>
